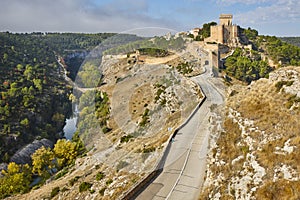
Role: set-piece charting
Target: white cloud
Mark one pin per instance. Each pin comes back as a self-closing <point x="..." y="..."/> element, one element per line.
<point x="76" y="16"/>
<point x="281" y="11"/>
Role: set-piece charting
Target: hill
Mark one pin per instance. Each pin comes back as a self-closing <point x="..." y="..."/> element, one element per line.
<point x="291" y="40"/>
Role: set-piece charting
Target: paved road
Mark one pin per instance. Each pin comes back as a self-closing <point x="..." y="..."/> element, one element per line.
<point x="184" y="170"/>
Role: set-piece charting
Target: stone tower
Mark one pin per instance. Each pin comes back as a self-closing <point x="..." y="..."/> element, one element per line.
<point x="225" y="32"/>
<point x="226" y="19"/>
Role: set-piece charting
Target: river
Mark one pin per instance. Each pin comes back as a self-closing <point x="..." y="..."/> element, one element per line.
<point x="71" y="124"/>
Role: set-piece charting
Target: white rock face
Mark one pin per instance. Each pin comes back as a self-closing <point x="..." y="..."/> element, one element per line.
<point x="287" y="75"/>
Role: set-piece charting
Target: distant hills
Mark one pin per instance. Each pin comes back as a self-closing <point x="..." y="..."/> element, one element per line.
<point x="292" y="40"/>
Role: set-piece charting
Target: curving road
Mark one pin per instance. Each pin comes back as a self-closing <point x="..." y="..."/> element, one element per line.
<point x="183" y="173"/>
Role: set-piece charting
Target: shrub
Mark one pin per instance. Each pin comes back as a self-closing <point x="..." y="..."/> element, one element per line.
<point x="100" y="176"/>
<point x="109" y="181"/>
<point x="54" y="192"/>
<point x="148" y="150"/>
<point x="101" y="192"/>
<point x="61" y="173"/>
<point x="145" y="118"/>
<point x="126" y="138"/>
<point x="280" y="84"/>
<point x="84" y="186"/>
<point x="73" y="180"/>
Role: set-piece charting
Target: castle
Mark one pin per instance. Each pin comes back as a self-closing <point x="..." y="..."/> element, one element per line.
<point x="225" y="32"/>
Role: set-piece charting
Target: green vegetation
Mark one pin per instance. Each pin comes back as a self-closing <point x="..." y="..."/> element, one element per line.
<point x="291" y="100"/>
<point x="251" y="34"/>
<point x="16" y="180"/>
<point x="95" y="111"/>
<point x="84" y="186"/>
<point x="161" y="89"/>
<point x="102" y="110"/>
<point x="280" y="52"/>
<point x="159" y="46"/>
<point x="30" y="83"/>
<point x="89" y="76"/>
<point x="149" y="150"/>
<point x="102" y="190"/>
<point x="73" y="180"/>
<point x="205" y="31"/>
<point x="145" y="118"/>
<point x="291" y="40"/>
<point x="42" y="162"/>
<point x="246" y="66"/>
<point x="54" y="192"/>
<point x="61" y="173"/>
<point x="46" y="159"/>
<point x="184" y="68"/>
<point x="154" y="52"/>
<point x="280" y="84"/>
<point x="33" y="96"/>
<point x="126" y="138"/>
<point x="100" y="176"/>
<point x="109" y="181"/>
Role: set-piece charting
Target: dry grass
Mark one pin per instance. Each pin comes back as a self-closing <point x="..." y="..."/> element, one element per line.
<point x="279" y="190"/>
<point x="269" y="109"/>
<point x="140" y="99"/>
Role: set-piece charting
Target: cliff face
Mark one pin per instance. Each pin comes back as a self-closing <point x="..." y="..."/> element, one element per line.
<point x="23" y="156"/>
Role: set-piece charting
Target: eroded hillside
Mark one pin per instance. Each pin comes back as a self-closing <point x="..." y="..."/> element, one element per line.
<point x="257" y="154"/>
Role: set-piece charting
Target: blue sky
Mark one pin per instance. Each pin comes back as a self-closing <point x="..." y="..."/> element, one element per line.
<point x="269" y="17"/>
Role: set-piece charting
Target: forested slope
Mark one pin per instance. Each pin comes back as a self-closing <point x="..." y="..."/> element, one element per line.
<point x="34" y="97"/>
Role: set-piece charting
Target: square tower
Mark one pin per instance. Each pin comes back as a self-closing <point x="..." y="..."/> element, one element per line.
<point x="226" y="19"/>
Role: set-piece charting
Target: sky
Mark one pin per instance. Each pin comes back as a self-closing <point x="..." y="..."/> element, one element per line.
<point x="269" y="17"/>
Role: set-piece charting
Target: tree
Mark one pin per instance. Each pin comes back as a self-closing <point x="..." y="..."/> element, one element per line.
<point x="205" y="31"/>
<point x="5" y="56"/>
<point x="20" y="67"/>
<point x="43" y="161"/>
<point x="72" y="98"/>
<point x="89" y="76"/>
<point x="65" y="152"/>
<point x="16" y="179"/>
<point x="38" y="84"/>
<point x="251" y="34"/>
<point x="25" y="122"/>
<point x="58" y="118"/>
<point x="79" y="144"/>
<point x="12" y="168"/>
<point x="28" y="73"/>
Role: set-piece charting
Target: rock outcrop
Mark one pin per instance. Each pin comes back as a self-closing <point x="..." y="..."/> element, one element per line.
<point x="23" y="156"/>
